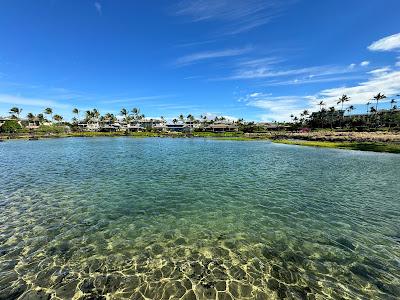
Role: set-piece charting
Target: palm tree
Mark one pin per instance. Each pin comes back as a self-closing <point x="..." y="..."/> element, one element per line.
<point x="350" y="108"/>
<point x="16" y="111"/>
<point x="125" y="115"/>
<point x="174" y="121"/>
<point x="58" y="118"/>
<point x="343" y="99"/>
<point x="76" y="112"/>
<point x="30" y="116"/>
<point x="135" y="112"/>
<point x="378" y="98"/>
<point x="88" y="116"/>
<point x="124" y="112"/>
<point x="332" y="114"/>
<point x="368" y="104"/>
<point x="40" y="118"/>
<point x="392" y="102"/>
<point x="321" y="103"/>
<point x="304" y="114"/>
<point x="49" y="111"/>
<point x="181" y="117"/>
<point x="322" y="116"/>
<point x="96" y="114"/>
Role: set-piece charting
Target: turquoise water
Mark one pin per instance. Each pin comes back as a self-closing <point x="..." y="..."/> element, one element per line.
<point x="124" y="218"/>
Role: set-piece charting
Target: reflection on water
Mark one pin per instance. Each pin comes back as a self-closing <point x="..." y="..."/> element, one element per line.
<point x="123" y="218"/>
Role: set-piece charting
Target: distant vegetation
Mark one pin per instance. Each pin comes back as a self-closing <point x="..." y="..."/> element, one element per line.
<point x="345" y="118"/>
<point x="339" y="118"/>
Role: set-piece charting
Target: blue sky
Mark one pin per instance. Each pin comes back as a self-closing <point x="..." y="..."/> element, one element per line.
<point x="256" y="59"/>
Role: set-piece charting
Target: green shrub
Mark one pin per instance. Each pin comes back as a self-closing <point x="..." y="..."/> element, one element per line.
<point x="10" y="126"/>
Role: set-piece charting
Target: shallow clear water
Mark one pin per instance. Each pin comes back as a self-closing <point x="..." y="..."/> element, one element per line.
<point x="160" y="218"/>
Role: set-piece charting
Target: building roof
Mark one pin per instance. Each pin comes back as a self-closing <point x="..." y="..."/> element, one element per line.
<point x="222" y="126"/>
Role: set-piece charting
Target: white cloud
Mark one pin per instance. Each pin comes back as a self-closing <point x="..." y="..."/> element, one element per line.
<point x="98" y="7"/>
<point x="352" y="66"/>
<point x="384" y="81"/>
<point x="19" y="100"/>
<point x="380" y="71"/>
<point x="397" y="64"/>
<point x="279" y="108"/>
<point x="388" y="43"/>
<point x="199" y="56"/>
<point x="212" y="115"/>
<point x="364" y="63"/>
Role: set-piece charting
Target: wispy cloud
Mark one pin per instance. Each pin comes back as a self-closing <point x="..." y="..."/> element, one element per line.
<point x="313" y="79"/>
<point x="388" y="43"/>
<point x="200" y="56"/>
<point x="137" y="99"/>
<point x="267" y="70"/>
<point x="98" y="7"/>
<point x="364" y="63"/>
<point x="20" y="100"/>
<point x="236" y="15"/>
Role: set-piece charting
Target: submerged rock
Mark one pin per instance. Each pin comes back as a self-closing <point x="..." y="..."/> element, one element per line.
<point x="345" y="244"/>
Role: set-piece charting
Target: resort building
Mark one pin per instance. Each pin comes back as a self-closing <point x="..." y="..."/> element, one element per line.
<point x="176" y="127"/>
<point x="222" y="127"/>
<point x="89" y="126"/>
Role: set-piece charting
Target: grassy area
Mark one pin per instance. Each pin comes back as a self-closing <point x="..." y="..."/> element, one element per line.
<point x="362" y="146"/>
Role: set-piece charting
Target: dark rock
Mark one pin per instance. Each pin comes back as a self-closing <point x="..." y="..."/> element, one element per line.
<point x="361" y="271"/>
<point x="345" y="244"/>
<point x="180" y="241"/>
<point x="35" y="295"/>
<point x="269" y="253"/>
<point x="278" y="287"/>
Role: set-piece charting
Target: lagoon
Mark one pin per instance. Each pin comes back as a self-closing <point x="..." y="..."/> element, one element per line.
<point x="164" y="218"/>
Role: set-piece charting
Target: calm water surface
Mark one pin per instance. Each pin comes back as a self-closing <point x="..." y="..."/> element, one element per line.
<point x="123" y="218"/>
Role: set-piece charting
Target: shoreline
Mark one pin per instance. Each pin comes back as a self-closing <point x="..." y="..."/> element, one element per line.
<point x="362" y="141"/>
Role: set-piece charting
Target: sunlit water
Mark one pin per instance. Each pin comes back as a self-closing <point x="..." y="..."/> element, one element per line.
<point x="124" y="218"/>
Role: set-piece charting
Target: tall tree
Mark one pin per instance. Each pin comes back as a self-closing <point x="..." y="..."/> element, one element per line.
<point x="41" y="118"/>
<point x="378" y="98"/>
<point x="392" y="102"/>
<point x="75" y="111"/>
<point x="30" y="117"/>
<point x="332" y="114"/>
<point x="321" y="104"/>
<point x="58" y="118"/>
<point x="49" y="111"/>
<point x="368" y="104"/>
<point x="135" y="112"/>
<point x="125" y="115"/>
<point x="15" y="111"/>
<point x="343" y="99"/>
